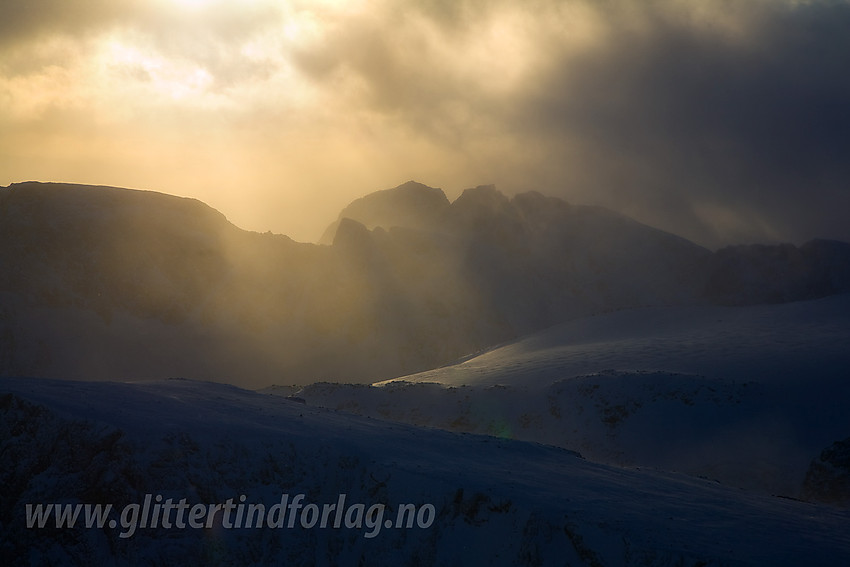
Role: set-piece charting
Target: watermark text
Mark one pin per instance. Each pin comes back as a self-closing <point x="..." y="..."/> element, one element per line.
<point x="169" y="513"/>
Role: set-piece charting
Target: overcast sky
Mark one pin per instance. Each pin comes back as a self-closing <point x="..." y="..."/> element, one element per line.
<point x="720" y="120"/>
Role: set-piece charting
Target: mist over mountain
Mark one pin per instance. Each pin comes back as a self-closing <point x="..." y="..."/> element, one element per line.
<point x="411" y="205"/>
<point x="562" y="383"/>
<point x="109" y="283"/>
<point x="744" y="275"/>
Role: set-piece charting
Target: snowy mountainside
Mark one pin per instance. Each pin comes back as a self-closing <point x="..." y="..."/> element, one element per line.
<point x="497" y="502"/>
<point x="748" y="396"/>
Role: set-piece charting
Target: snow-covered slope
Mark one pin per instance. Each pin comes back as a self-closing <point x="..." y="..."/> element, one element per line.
<point x="748" y="396"/>
<point x="497" y="502"/>
<point x="795" y="341"/>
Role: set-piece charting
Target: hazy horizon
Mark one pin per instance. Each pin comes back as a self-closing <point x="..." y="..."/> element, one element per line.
<point x="723" y="122"/>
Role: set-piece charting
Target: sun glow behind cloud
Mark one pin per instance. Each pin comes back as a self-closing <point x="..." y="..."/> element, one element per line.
<point x="153" y="77"/>
<point x="217" y="95"/>
<point x="279" y="113"/>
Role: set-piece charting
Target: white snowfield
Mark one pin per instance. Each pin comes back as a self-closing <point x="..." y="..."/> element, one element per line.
<point x="498" y="501"/>
<point x="747" y="396"/>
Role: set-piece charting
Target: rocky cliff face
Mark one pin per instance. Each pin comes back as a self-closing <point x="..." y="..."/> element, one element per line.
<point x="828" y="478"/>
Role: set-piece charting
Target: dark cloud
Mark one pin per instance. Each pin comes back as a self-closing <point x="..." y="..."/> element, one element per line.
<point x="24" y="20"/>
<point x="730" y="120"/>
<point x="758" y="125"/>
<point x="753" y="127"/>
<point x="395" y="63"/>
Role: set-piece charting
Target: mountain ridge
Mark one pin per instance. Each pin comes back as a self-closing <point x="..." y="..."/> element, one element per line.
<point x="116" y="283"/>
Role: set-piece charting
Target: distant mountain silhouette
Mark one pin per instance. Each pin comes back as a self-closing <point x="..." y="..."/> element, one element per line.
<point x="411" y="205"/>
<point x="744" y="275"/>
<point x="109" y="283"/>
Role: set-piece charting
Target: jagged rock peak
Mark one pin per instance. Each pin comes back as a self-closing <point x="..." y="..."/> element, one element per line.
<point x="482" y="204"/>
<point x="482" y="196"/>
<point x="409" y="205"/>
<point x="351" y="233"/>
<point x="414" y="186"/>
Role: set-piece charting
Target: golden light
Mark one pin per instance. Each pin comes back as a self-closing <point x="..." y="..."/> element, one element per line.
<point x="192" y="4"/>
<point x="146" y="73"/>
<point x="215" y="4"/>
